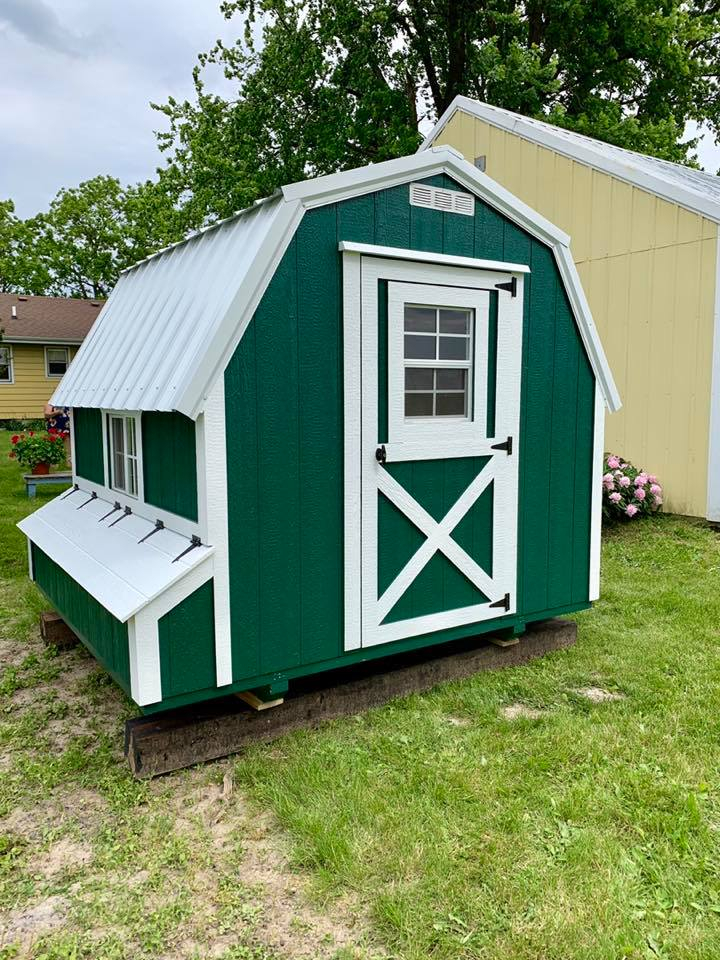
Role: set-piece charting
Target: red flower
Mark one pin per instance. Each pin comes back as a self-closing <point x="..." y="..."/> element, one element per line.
<point x="31" y="433"/>
<point x="14" y="439"/>
<point x="52" y="430"/>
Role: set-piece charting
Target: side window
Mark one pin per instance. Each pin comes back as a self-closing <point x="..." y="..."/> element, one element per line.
<point x="57" y="360"/>
<point x="438" y="361"/>
<point x="6" y="369"/>
<point x="123" y="433"/>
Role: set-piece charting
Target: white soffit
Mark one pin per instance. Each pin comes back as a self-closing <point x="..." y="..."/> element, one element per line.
<point x="694" y="189"/>
<point x="173" y="321"/>
<point x="105" y="557"/>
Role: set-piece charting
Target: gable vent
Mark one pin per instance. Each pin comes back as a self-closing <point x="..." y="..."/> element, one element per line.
<point x="437" y="198"/>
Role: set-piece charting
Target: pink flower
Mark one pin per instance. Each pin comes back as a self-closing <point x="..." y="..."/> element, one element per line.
<point x="657" y="501"/>
<point x="640" y="493"/>
<point x="613" y="463"/>
<point x="615" y="497"/>
<point x="631" y="510"/>
<point x="655" y="488"/>
<point x="624" y="481"/>
<point x="652" y="478"/>
<point x="608" y="481"/>
<point x="624" y="466"/>
<point x="641" y="479"/>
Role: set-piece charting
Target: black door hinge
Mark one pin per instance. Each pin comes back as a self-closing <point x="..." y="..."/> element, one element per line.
<point x="510" y="286"/>
<point x="506" y="445"/>
<point x="504" y="603"/>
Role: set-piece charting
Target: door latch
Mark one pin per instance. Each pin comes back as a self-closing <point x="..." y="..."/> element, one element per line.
<point x="381" y="454"/>
<point x="506" y="445"/>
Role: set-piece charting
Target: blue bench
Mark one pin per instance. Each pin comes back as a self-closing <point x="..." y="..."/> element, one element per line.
<point x="35" y="480"/>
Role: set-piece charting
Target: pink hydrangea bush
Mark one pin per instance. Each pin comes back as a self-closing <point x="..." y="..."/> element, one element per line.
<point x="628" y="492"/>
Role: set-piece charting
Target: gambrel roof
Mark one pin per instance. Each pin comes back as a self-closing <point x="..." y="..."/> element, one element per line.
<point x="174" y="320"/>
<point x="693" y="189"/>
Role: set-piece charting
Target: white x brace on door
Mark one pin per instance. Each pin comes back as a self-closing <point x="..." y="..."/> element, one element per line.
<point x="432" y="403"/>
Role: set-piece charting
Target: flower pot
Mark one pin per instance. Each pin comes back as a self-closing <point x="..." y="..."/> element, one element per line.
<point x="40" y="469"/>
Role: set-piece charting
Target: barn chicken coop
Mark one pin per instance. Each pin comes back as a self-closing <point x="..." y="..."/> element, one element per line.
<point x="361" y="417"/>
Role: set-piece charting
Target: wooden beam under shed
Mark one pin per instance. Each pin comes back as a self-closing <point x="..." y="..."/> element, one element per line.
<point x="181" y="738"/>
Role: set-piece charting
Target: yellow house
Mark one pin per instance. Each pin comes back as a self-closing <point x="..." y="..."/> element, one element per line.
<point x="645" y="240"/>
<point x="39" y="336"/>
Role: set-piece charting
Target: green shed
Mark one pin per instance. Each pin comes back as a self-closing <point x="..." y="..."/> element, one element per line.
<point x="363" y="416"/>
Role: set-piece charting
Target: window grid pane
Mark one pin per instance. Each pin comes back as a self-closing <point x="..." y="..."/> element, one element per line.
<point x="5" y="365"/>
<point x="442" y="392"/>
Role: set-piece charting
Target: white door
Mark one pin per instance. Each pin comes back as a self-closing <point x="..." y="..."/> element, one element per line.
<point x="433" y="519"/>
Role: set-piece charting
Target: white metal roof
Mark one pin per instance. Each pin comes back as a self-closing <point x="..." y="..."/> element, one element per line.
<point x="173" y="321"/>
<point x="108" y="561"/>
<point x="694" y="189"/>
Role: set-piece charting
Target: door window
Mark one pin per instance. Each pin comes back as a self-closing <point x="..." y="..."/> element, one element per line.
<point x="437" y="356"/>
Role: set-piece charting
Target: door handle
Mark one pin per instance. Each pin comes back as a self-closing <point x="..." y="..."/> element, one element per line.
<point x="381" y="454"/>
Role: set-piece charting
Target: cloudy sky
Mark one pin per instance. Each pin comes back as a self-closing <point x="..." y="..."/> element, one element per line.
<point x="76" y="81"/>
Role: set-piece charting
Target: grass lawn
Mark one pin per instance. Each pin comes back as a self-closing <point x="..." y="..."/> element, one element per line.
<point x="563" y="810"/>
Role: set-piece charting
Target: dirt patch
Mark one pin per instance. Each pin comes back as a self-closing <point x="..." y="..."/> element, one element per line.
<point x="457" y="721"/>
<point x="515" y="711"/>
<point x="256" y="860"/>
<point x="24" y="928"/>
<point x="598" y="695"/>
<point x="64" y="855"/>
<point x="66" y="807"/>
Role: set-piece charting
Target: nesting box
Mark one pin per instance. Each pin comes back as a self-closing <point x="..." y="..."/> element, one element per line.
<point x="361" y="417"/>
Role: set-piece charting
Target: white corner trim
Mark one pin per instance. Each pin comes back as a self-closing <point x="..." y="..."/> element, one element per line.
<point x="621" y="167"/>
<point x="425" y="256"/>
<point x="216" y="511"/>
<point x="144" y="636"/>
<point x="713" y="476"/>
<point x="596" y="495"/>
<point x="352" y="450"/>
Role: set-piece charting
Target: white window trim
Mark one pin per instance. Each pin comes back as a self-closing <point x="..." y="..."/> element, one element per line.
<point x="11" y="381"/>
<point x="58" y="346"/>
<point x="445" y="431"/>
<point x="135" y="415"/>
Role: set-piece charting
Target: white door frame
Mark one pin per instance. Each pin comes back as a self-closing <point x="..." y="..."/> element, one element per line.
<point x="361" y="274"/>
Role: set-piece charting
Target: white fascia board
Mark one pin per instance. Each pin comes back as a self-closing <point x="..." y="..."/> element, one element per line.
<point x="423" y="256"/>
<point x="240" y="312"/>
<point x="586" y="325"/>
<point x="514" y="123"/>
<point x="43" y="341"/>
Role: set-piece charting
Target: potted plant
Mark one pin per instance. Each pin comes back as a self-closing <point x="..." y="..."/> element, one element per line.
<point x="38" y="451"/>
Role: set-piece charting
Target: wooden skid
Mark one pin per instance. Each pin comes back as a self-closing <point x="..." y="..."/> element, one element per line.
<point x="181" y="738"/>
<point x="55" y="632"/>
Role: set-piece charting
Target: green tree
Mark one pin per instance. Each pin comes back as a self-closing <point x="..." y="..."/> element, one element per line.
<point x="322" y="85"/>
<point x="87" y="236"/>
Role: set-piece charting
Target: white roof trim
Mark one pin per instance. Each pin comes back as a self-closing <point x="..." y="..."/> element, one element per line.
<point x="397" y="253"/>
<point x="153" y="288"/>
<point x="107" y="561"/>
<point x="626" y="165"/>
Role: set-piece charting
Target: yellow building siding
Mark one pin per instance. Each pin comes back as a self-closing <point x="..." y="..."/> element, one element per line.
<point x="648" y="268"/>
<point x="31" y="389"/>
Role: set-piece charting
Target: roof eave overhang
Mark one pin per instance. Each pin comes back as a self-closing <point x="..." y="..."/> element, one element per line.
<point x="44" y="341"/>
<point x="689" y="199"/>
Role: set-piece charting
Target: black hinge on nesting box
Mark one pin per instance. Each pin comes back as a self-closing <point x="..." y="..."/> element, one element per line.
<point x="506" y="445"/>
<point x="510" y="286"/>
<point x="504" y="603"/>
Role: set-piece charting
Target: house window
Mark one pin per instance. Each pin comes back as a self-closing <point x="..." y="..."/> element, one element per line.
<point x="437" y="358"/>
<point x="6" y="369"/>
<point x="123" y="447"/>
<point x="57" y="360"/>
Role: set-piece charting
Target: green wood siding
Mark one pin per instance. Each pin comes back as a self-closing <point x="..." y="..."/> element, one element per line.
<point x="187" y="644"/>
<point x="87" y="429"/>
<point x="104" y="636"/>
<point x="169" y="463"/>
<point x="285" y="438"/>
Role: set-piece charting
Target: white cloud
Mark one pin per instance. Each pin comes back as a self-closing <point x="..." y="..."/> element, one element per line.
<point x="76" y="84"/>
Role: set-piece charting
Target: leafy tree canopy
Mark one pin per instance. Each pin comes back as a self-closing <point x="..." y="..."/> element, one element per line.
<point x="322" y="85"/>
<point x="87" y="236"/>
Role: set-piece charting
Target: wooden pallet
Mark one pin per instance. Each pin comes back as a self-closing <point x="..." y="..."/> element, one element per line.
<point x="181" y="738"/>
